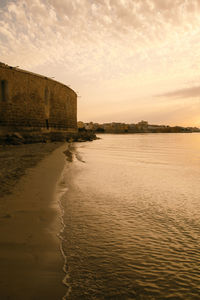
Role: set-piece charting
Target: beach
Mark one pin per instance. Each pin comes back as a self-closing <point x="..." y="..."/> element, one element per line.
<point x="30" y="258"/>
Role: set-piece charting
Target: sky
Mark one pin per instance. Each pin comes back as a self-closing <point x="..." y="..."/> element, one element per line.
<point x="128" y="60"/>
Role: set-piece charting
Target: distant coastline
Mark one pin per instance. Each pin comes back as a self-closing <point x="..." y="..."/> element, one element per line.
<point x="140" y="127"/>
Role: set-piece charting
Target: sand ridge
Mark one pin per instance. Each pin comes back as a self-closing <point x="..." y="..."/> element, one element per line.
<point x="30" y="259"/>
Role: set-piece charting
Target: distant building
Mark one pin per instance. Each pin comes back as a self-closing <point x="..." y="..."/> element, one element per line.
<point x="142" y="125"/>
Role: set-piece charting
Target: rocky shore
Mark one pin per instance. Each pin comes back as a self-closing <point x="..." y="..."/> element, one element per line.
<point x="19" y="138"/>
<point x="18" y="153"/>
<point x="82" y="136"/>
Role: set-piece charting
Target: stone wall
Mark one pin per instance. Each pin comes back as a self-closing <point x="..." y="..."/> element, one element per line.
<point x="30" y="102"/>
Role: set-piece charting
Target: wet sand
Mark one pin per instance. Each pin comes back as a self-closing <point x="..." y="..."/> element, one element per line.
<point x="30" y="259"/>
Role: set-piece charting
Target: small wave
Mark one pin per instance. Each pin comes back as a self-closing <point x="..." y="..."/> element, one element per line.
<point x="78" y="157"/>
<point x="61" y="190"/>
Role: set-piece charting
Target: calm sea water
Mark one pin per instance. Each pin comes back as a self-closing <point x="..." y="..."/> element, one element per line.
<point x="131" y="210"/>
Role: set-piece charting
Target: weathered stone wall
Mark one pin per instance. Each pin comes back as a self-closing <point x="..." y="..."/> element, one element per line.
<point x="32" y="102"/>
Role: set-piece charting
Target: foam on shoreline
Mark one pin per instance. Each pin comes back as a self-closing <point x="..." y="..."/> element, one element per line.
<point x="61" y="189"/>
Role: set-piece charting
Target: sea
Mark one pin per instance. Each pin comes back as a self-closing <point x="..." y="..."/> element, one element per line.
<point x="131" y="217"/>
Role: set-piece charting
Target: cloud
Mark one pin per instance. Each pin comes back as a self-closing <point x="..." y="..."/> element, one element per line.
<point x="191" y="92"/>
<point x="122" y="28"/>
<point x="139" y="47"/>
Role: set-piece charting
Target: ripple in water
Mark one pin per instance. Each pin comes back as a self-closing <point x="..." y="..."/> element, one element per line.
<point x="131" y="218"/>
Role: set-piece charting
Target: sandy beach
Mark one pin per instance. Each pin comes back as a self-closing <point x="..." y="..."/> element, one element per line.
<point x="30" y="259"/>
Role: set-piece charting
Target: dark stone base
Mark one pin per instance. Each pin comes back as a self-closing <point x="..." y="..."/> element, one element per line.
<point x="17" y="138"/>
<point x="82" y="136"/>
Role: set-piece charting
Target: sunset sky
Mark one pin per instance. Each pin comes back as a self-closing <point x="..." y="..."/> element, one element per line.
<point x="127" y="59"/>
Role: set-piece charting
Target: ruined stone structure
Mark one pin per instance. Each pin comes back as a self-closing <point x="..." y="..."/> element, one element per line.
<point x="33" y="103"/>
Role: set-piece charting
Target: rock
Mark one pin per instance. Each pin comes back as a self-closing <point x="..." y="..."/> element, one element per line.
<point x="18" y="135"/>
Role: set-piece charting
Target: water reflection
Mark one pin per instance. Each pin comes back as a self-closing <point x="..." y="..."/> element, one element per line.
<point x="132" y="216"/>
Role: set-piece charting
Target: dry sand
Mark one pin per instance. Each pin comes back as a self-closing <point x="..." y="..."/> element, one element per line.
<point x="30" y="258"/>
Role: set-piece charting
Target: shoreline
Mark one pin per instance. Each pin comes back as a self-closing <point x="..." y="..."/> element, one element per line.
<point x="30" y="223"/>
<point x="16" y="160"/>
